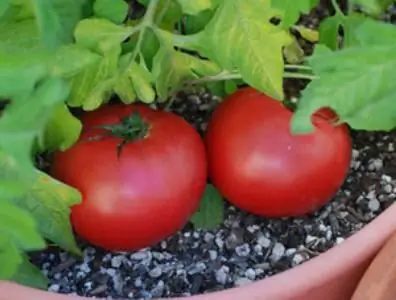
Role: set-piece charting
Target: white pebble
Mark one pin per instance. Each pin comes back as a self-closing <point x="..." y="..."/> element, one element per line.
<point x="242" y="281"/>
<point x="322" y="227"/>
<point x="371" y="195"/>
<point x="277" y="252"/>
<point x="386" y="178"/>
<point x="219" y="242"/>
<point x="264" y="242"/>
<point x="54" y="288"/>
<point x="116" y="261"/>
<point x="243" y="250"/>
<point x="156" y="272"/>
<point x="355" y="153"/>
<point x="374" y="205"/>
<point x="138" y="282"/>
<point x="339" y="240"/>
<point x="213" y="254"/>
<point x="139" y="255"/>
<point x="251" y="274"/>
<point x="388" y="188"/>
<point x="222" y="275"/>
<point x="291" y="251"/>
<point x="391" y="147"/>
<point x="310" y="239"/>
<point x="297" y="259"/>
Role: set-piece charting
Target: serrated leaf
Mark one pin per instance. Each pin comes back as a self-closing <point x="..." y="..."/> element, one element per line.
<point x="93" y="86"/>
<point x="240" y="36"/>
<point x="196" y="23"/>
<point x="328" y="31"/>
<point x="290" y="11"/>
<point x="113" y="10"/>
<point x="210" y="214"/>
<point x="33" y="111"/>
<point x="10" y="258"/>
<point x="19" y="228"/>
<point x="101" y="35"/>
<point x="374" y="7"/>
<point x="360" y="30"/>
<point x="48" y="201"/>
<point x="72" y="59"/>
<point x="171" y="69"/>
<point x="29" y="275"/>
<point x="195" y="7"/>
<point x="357" y="83"/>
<point x="62" y="129"/>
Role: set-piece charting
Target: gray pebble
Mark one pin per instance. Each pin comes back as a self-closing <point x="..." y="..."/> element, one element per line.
<point x="158" y="290"/>
<point x="139" y="256"/>
<point x="264" y="242"/>
<point x="222" y="275"/>
<point x="116" y="261"/>
<point x="297" y="259"/>
<point x="155" y="273"/>
<point x="212" y="254"/>
<point x="251" y="274"/>
<point x="277" y="252"/>
<point x="242" y="281"/>
<point x="374" y="205"/>
<point x="243" y="250"/>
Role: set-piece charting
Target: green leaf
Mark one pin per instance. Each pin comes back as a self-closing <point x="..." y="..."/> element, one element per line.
<point x="194" y="7"/>
<point x="240" y="36"/>
<point x="196" y="23"/>
<point x="311" y="35"/>
<point x="57" y="19"/>
<point x="328" y="31"/>
<point x="171" y="69"/>
<point x="10" y="258"/>
<point x="290" y="11"/>
<point x="210" y="214"/>
<point x="71" y="59"/>
<point x="113" y="10"/>
<point x="360" y="30"/>
<point x="93" y="86"/>
<point x="101" y="35"/>
<point x="293" y="53"/>
<point x="374" y="7"/>
<point x="20" y="37"/>
<point x="4" y="6"/>
<point x="19" y="228"/>
<point x="48" y="201"/>
<point x="357" y="83"/>
<point x="141" y="80"/>
<point x="168" y="13"/>
<point x="29" y="275"/>
<point x="62" y="130"/>
<point x="17" y="138"/>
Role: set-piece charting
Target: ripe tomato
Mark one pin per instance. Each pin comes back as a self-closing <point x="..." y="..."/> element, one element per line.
<point x="259" y="166"/>
<point x="143" y="195"/>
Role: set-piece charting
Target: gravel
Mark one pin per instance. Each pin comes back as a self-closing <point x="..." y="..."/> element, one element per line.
<point x="245" y="248"/>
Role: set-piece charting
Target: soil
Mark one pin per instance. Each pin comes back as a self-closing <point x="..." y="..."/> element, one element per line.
<point x="246" y="247"/>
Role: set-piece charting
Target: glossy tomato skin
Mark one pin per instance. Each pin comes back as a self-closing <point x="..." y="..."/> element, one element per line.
<point x="260" y="167"/>
<point x="147" y="194"/>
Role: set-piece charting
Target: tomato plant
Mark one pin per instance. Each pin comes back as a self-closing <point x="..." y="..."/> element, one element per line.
<point x="260" y="166"/>
<point x="141" y="173"/>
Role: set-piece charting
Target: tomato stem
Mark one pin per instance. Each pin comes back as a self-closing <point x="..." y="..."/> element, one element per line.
<point x="129" y="129"/>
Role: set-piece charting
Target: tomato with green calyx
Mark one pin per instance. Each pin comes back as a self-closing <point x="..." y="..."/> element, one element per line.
<point x="260" y="166"/>
<point x="141" y="173"/>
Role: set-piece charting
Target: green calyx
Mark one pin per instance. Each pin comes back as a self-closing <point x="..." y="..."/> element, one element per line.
<point x="130" y="128"/>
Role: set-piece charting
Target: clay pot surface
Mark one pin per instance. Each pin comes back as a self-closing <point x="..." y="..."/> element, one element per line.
<point x="333" y="275"/>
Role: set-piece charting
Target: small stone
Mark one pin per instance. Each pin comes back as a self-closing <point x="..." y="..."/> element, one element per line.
<point x="242" y="281"/>
<point x="212" y="254"/>
<point x="355" y="153"/>
<point x="222" y="275"/>
<point x="374" y="205"/>
<point x="54" y="288"/>
<point x="297" y="259"/>
<point x="155" y="273"/>
<point x="139" y="256"/>
<point x="264" y="242"/>
<point x="291" y="251"/>
<point x="116" y="261"/>
<point x="391" y="147"/>
<point x="158" y="290"/>
<point x="329" y="235"/>
<point x="388" y="188"/>
<point x="258" y="249"/>
<point x="277" y="252"/>
<point x="243" y="250"/>
<point x="339" y="240"/>
<point x="208" y="237"/>
<point x="138" y="282"/>
<point x="386" y="178"/>
<point x="310" y="238"/>
<point x="251" y="274"/>
<point x="376" y="164"/>
<point x="158" y="256"/>
<point x="219" y="242"/>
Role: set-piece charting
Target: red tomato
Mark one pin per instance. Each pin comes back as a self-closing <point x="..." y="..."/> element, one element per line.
<point x="260" y="167"/>
<point x="147" y="193"/>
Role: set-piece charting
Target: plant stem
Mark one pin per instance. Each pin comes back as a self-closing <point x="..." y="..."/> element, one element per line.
<point x="298" y="67"/>
<point x="147" y="22"/>
<point x="299" y="76"/>
<point x="337" y="8"/>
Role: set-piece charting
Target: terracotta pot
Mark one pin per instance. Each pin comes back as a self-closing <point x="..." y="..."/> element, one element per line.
<point x="333" y="275"/>
<point x="379" y="281"/>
